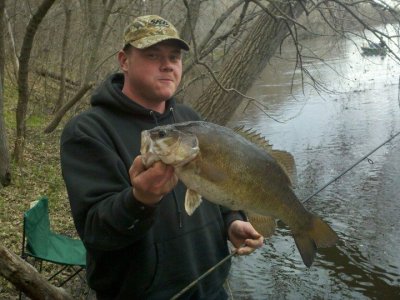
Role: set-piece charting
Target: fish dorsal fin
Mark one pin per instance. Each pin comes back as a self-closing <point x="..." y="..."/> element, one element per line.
<point x="283" y="158"/>
<point x="254" y="137"/>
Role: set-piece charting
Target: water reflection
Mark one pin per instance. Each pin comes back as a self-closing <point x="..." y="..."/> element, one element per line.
<point x="326" y="133"/>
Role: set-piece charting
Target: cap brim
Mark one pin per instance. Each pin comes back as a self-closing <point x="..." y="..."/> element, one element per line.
<point x="155" y="39"/>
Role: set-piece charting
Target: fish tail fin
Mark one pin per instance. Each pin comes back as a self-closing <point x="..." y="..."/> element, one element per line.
<point x="306" y="246"/>
<point x="318" y="235"/>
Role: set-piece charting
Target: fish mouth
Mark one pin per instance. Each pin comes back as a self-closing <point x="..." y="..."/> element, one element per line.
<point x="145" y="142"/>
<point x="179" y="152"/>
<point x="148" y="157"/>
<point x="176" y="150"/>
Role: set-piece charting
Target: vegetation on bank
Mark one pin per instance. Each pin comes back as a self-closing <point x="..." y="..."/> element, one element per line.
<point x="39" y="175"/>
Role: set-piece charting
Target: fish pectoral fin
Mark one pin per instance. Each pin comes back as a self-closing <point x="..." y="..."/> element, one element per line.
<point x="192" y="201"/>
<point x="265" y="225"/>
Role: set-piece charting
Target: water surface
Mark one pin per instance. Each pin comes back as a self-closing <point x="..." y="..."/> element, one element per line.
<point x="327" y="131"/>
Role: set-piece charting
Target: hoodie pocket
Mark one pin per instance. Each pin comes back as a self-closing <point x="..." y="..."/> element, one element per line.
<point x="184" y="259"/>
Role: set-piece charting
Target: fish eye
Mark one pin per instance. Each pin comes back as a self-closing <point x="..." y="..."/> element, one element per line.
<point x="162" y="134"/>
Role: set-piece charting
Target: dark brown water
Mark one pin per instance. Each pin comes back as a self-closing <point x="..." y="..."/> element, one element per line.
<point x="327" y="132"/>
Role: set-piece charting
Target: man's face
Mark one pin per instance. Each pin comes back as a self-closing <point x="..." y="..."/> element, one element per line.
<point x="153" y="74"/>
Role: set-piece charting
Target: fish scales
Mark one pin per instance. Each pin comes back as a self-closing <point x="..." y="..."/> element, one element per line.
<point x="234" y="167"/>
<point x="222" y="166"/>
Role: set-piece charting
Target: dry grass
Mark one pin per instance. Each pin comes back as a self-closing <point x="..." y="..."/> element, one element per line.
<point x="39" y="175"/>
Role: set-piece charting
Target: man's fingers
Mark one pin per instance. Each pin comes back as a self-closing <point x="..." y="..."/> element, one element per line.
<point x="255" y="243"/>
<point x="151" y="184"/>
<point x="137" y="167"/>
<point x="165" y="173"/>
<point x="244" y="250"/>
<point x="250" y="246"/>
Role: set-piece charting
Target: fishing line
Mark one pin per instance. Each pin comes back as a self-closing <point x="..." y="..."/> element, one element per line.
<point x="194" y="282"/>
<point x="351" y="167"/>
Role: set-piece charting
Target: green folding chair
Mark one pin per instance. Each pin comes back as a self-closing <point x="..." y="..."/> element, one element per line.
<point x="43" y="244"/>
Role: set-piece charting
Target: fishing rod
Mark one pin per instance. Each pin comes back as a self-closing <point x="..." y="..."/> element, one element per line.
<point x="194" y="282"/>
<point x="349" y="168"/>
<point x="233" y="253"/>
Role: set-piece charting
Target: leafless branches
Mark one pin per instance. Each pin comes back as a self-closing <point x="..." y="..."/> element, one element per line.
<point x="97" y="27"/>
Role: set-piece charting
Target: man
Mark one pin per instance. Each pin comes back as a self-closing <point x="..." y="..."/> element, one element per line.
<point x="140" y="242"/>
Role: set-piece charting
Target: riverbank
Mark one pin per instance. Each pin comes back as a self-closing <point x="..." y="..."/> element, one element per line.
<point x="40" y="175"/>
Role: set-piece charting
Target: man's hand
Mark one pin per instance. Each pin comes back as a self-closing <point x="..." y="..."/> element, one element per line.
<point x="150" y="185"/>
<point x="244" y="237"/>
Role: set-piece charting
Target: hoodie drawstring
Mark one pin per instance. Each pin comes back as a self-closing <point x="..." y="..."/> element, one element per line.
<point x="178" y="209"/>
<point x="152" y="114"/>
<point x="171" y="109"/>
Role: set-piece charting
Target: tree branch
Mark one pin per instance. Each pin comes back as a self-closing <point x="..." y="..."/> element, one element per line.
<point x="227" y="90"/>
<point x="60" y="114"/>
<point x="27" y="279"/>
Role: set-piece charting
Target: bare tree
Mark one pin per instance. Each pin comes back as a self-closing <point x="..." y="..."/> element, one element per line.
<point x="278" y="21"/>
<point x="5" y="172"/>
<point x="13" y="47"/>
<point x="97" y="15"/>
<point x="23" y="72"/>
<point x="217" y="103"/>
<point x="66" y="37"/>
<point x="241" y="42"/>
<point x="210" y="42"/>
<point x="194" y="8"/>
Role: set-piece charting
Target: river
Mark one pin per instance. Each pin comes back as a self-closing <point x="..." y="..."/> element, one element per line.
<point x="328" y="131"/>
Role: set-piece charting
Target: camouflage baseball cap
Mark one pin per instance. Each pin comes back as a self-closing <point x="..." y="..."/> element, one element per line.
<point x="146" y="31"/>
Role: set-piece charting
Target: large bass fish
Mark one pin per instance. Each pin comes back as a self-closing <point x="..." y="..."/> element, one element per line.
<point x="224" y="167"/>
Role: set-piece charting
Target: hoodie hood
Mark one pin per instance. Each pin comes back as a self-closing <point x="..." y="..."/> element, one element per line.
<point x="109" y="95"/>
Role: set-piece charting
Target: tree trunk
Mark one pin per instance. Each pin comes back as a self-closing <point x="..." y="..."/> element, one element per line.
<point x="23" y="73"/>
<point x="266" y="34"/>
<point x="205" y="47"/>
<point x="95" y="34"/>
<point x="190" y="24"/>
<point x="61" y="92"/>
<point x="5" y="169"/>
<point x="27" y="279"/>
<point x="5" y="173"/>
<point x="14" y="55"/>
